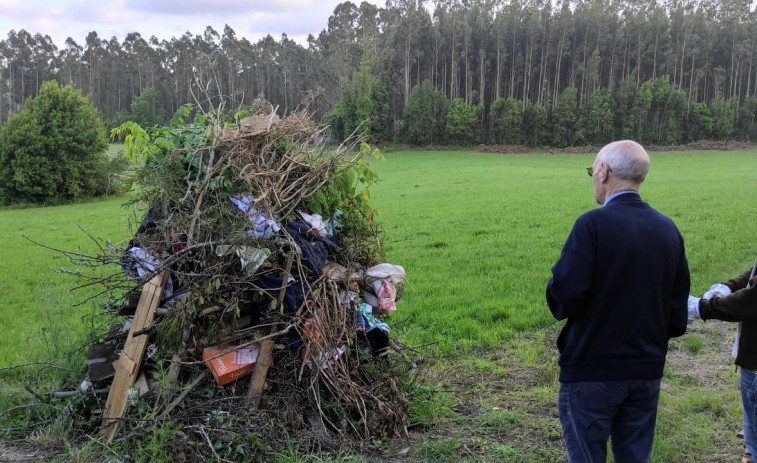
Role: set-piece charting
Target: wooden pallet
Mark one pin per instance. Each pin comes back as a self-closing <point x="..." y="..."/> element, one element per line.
<point x="131" y="357"/>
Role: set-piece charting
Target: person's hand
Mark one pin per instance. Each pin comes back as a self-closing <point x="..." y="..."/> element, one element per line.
<point x="694" y="308"/>
<point x="717" y="290"/>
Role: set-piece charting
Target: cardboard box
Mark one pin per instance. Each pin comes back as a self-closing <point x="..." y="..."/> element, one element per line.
<point x="228" y="364"/>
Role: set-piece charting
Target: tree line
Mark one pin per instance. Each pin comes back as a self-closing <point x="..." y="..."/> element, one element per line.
<point x="451" y="71"/>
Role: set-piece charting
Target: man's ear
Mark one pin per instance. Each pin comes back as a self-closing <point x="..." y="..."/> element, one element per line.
<point x="604" y="173"/>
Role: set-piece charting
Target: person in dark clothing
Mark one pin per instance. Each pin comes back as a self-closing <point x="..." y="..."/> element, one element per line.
<point x="622" y="283"/>
<point x="736" y="301"/>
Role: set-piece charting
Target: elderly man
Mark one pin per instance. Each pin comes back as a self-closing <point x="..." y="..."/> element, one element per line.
<point x="622" y="283"/>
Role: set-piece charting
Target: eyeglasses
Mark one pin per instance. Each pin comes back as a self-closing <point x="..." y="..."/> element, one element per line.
<point x="590" y="170"/>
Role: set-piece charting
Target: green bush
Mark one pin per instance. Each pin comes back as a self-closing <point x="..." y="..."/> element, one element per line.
<point x="462" y="118"/>
<point x="363" y="108"/>
<point x="596" y="118"/>
<point x="564" y="117"/>
<point x="535" y="125"/>
<point x="700" y="121"/>
<point x="53" y="149"/>
<point x="145" y="108"/>
<point x="425" y="115"/>
<point x="506" y="120"/>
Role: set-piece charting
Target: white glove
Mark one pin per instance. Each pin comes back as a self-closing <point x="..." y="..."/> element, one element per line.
<point x="694" y="308"/>
<point x="717" y="290"/>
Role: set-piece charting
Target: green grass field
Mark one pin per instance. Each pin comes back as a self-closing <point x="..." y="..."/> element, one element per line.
<point x="477" y="234"/>
<point x="35" y="303"/>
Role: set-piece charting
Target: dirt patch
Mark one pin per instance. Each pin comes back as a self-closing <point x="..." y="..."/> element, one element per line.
<point x="507" y="149"/>
<point x="710" y="364"/>
<point x="701" y="145"/>
<point x="504" y="408"/>
<point x="13" y="452"/>
<point x="485" y="397"/>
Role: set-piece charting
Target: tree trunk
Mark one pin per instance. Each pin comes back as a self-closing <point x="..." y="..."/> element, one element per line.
<point x="638" y="58"/>
<point x="541" y="81"/>
<point x="654" y="54"/>
<point x="527" y="71"/>
<point x="511" y="90"/>
<point x="453" y="65"/>
<point x="498" y="72"/>
<point x="558" y="64"/>
<point x="468" y="84"/>
<point x="482" y="77"/>
<point x="683" y="58"/>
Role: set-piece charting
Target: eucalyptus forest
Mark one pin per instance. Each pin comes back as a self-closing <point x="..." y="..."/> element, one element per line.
<point x="446" y="72"/>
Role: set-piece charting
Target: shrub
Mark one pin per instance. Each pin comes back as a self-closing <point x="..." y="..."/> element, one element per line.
<point x="425" y="115"/>
<point x="461" y="122"/>
<point x="506" y="120"/>
<point x="53" y="149"/>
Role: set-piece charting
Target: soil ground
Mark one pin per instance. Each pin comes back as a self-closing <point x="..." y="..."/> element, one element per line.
<point x="527" y="394"/>
<point x="19" y="452"/>
<point x="696" y="146"/>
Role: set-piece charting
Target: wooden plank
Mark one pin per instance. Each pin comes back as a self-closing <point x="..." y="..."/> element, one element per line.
<point x="128" y="363"/>
<point x="259" y="373"/>
<point x="131" y="356"/>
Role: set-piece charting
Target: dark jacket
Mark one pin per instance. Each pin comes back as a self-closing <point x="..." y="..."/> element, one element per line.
<point x="739" y="306"/>
<point x="622" y="282"/>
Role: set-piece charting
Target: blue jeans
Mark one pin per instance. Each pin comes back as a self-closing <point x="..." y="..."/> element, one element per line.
<point x="749" y="410"/>
<point x="623" y="411"/>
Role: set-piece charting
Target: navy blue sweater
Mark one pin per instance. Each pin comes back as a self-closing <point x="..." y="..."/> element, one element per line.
<point x="622" y="281"/>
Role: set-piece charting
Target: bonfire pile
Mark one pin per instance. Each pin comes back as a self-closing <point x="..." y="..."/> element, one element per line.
<point x="261" y="259"/>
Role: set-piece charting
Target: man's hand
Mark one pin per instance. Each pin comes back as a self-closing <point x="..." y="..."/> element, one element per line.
<point x="694" y="308"/>
<point x="717" y="290"/>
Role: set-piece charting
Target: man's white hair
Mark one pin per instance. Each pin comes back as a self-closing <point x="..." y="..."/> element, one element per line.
<point x="627" y="160"/>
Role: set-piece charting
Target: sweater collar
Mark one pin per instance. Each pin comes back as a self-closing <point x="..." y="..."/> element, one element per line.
<point x="618" y="193"/>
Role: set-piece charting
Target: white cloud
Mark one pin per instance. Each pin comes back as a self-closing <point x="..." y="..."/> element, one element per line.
<point x="203" y="7"/>
<point x="253" y="19"/>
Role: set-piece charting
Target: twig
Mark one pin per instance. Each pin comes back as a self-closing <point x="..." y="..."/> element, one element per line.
<point x="31" y="405"/>
<point x="183" y="394"/>
<point x="207" y="439"/>
<point x="21" y="365"/>
<point x="65" y="394"/>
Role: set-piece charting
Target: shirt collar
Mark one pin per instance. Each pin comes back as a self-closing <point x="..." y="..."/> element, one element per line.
<point x="616" y="194"/>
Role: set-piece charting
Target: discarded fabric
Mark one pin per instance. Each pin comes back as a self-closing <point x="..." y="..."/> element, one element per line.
<point x="332" y="223"/>
<point x="314" y="254"/>
<point x="263" y="226"/>
<point x="368" y="321"/>
<point x="316" y="223"/>
<point x="327" y="359"/>
<point x="146" y="264"/>
<point x="250" y="257"/>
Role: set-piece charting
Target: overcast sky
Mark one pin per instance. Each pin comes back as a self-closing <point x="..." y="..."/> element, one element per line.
<point x="253" y="19"/>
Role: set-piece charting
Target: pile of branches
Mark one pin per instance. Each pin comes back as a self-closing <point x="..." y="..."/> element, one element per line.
<point x="266" y="234"/>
